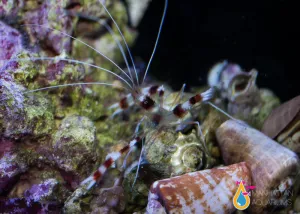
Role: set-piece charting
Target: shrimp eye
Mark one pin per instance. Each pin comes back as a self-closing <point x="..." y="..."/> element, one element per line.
<point x="147" y="103"/>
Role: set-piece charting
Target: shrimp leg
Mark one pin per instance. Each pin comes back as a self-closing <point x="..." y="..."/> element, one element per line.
<point x="112" y="157"/>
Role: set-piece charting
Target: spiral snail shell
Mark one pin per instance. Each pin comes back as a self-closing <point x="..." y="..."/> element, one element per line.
<point x="189" y="155"/>
<point x="171" y="153"/>
<point x="235" y="84"/>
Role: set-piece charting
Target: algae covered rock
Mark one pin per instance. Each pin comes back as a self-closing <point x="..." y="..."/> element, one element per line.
<point x="93" y="102"/>
<point x="107" y="41"/>
<point x="60" y="72"/>
<point x="57" y="145"/>
<point x="12" y="99"/>
<point x="10" y="7"/>
<point x="74" y="145"/>
<point x="10" y="169"/>
<point x="111" y="132"/>
<point x="73" y="203"/>
<point x="41" y="185"/>
<point x="42" y="192"/>
<point x="136" y="191"/>
<point x="20" y="205"/>
<point x="255" y="113"/>
<point x="6" y="146"/>
<point x="109" y="200"/>
<point x="24" y="72"/>
<point x="10" y="42"/>
<point x="211" y="123"/>
<point x="35" y="119"/>
<point x="50" y="14"/>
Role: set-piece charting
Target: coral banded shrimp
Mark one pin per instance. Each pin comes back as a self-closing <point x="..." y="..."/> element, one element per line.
<point x="149" y="99"/>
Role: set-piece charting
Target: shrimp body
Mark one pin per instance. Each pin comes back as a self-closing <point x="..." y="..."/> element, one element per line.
<point x="155" y="114"/>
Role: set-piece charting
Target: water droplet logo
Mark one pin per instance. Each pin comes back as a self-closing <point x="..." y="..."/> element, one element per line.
<point x="241" y="199"/>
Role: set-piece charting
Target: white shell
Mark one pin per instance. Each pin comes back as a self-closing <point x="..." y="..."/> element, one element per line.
<point x="215" y="74"/>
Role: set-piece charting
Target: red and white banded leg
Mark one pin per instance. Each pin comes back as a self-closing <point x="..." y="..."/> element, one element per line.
<point x="122" y="105"/>
<point x="181" y="110"/>
<point x="112" y="157"/>
<point x="153" y="90"/>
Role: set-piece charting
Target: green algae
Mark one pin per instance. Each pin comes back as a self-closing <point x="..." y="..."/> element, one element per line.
<point x="93" y="102"/>
<point x="136" y="196"/>
<point x="35" y="119"/>
<point x="112" y="131"/>
<point x="80" y="130"/>
<point x="26" y="70"/>
<point x="68" y="122"/>
<point x="73" y="204"/>
<point x="39" y="112"/>
<point x="268" y="103"/>
<point x="74" y="145"/>
<point x="27" y="156"/>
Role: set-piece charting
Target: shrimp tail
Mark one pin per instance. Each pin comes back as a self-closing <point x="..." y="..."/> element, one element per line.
<point x="208" y="94"/>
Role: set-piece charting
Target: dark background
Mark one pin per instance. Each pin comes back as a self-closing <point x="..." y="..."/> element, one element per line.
<point x="197" y="34"/>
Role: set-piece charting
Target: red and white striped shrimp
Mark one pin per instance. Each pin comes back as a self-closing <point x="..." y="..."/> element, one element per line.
<point x="149" y="99"/>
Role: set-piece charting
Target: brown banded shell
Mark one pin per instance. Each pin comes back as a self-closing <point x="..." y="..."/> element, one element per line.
<point x="273" y="166"/>
<point x="207" y="191"/>
<point x="283" y="124"/>
<point x="280" y="117"/>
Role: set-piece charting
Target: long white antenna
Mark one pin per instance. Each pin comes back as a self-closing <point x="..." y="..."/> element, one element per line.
<point x="63" y="33"/>
<point x="109" y="29"/>
<point x="71" y="84"/>
<point x="67" y="85"/>
<point x="156" y="42"/>
<point x="69" y="60"/>
<point x="137" y="78"/>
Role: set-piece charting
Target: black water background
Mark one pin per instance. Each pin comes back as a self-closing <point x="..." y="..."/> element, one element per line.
<point x="196" y="34"/>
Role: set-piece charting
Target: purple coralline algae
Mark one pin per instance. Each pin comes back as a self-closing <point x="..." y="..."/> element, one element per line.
<point x="10" y="42"/>
<point x="10" y="8"/>
<point x="10" y="169"/>
<point x="51" y="14"/>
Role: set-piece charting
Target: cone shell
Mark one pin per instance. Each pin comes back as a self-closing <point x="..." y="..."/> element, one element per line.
<point x="273" y="166"/>
<point x="207" y="191"/>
